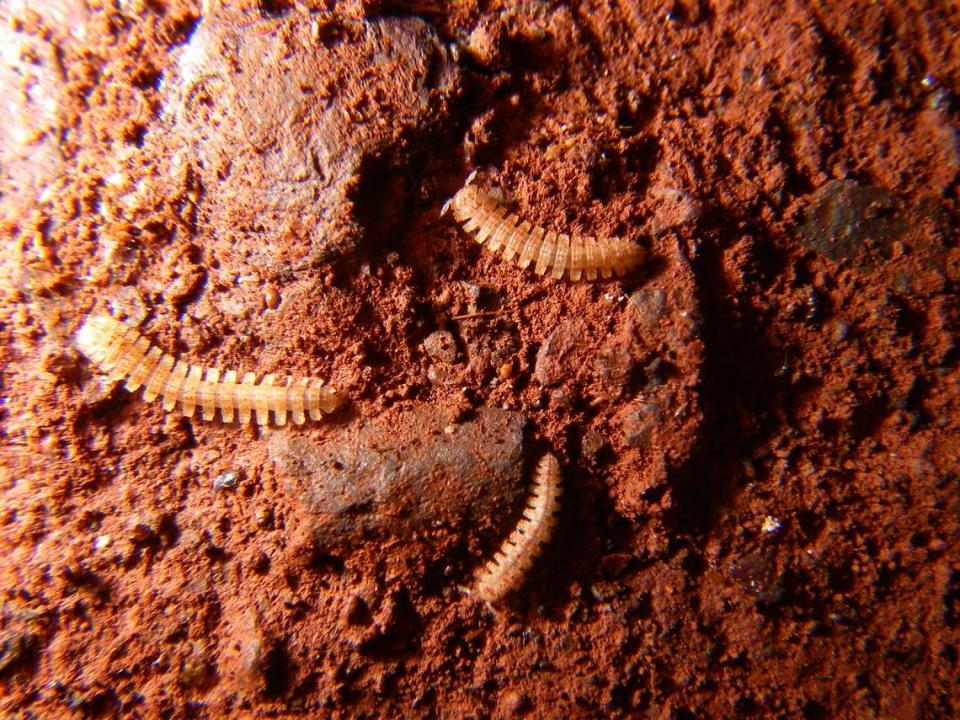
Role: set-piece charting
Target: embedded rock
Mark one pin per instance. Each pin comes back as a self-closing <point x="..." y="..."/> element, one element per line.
<point x="397" y="475"/>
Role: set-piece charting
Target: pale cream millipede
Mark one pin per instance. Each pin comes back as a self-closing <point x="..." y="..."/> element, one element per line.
<point x="506" y="570"/>
<point x="124" y="354"/>
<point x="525" y="244"/>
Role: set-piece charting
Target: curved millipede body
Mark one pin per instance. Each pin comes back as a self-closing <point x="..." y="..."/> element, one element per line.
<point x="120" y="351"/>
<point x="510" y="564"/>
<point x="524" y="244"/>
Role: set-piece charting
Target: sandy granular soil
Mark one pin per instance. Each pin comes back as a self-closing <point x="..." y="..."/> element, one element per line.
<point x="758" y="431"/>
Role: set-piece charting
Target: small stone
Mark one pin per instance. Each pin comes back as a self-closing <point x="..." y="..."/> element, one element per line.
<point x="441" y="346"/>
<point x="593" y="443"/>
<point x="487" y="43"/>
<point x="512" y="703"/>
<point x="771" y="525"/>
<point x="859" y="223"/>
<point x="16" y="648"/>
<point x="560" y="399"/>
<point x="264" y="518"/>
<point x="615" y="564"/>
<point x="227" y="480"/>
<point x="446" y="374"/>
<point x="271" y="297"/>
<point x="101" y="542"/>
<point x="184" y="287"/>
<point x="260" y="562"/>
<point x="195" y="672"/>
<point x="613" y="364"/>
<point x="650" y="305"/>
<point x="640" y="421"/>
<point x="357" y="612"/>
<point x="505" y="371"/>
<point x="270" y="85"/>
<point x="141" y="532"/>
<point x="563" y="353"/>
<point x="401" y="473"/>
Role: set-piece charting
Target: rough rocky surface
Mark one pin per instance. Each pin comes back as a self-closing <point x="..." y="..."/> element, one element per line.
<point x="759" y="430"/>
<point x="868" y="227"/>
<point x="311" y="102"/>
<point x="399" y="476"/>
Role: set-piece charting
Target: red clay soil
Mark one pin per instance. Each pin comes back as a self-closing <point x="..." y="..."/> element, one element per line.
<point x="758" y="431"/>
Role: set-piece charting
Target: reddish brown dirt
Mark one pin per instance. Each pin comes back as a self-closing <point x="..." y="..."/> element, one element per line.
<point x="759" y="432"/>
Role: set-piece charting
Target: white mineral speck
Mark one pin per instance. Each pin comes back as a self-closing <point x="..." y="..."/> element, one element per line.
<point x="770" y="525"/>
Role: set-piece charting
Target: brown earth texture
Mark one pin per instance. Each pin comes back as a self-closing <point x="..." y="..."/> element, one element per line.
<point x="757" y="430"/>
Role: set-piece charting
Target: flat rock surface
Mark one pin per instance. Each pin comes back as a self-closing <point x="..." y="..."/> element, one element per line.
<point x="394" y="477"/>
<point x="869" y="228"/>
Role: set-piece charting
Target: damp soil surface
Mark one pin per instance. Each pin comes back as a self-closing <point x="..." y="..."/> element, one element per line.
<point x="758" y="430"/>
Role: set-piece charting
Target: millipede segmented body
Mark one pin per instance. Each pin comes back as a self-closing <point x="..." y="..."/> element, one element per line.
<point x="511" y="563"/>
<point x="120" y="351"/>
<point x="525" y="244"/>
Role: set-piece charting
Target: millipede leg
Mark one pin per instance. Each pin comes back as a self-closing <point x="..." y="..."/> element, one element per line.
<point x="171" y="389"/>
<point x="207" y="394"/>
<point x="134" y="358"/>
<point x="158" y="379"/>
<point x="189" y="391"/>
<point x="244" y="396"/>
<point x="547" y="250"/>
<point x="297" y="395"/>
<point x="260" y="400"/>
<point x="227" y="392"/>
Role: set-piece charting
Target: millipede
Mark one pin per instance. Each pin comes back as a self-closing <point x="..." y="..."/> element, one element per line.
<point x="124" y="354"/>
<point x="523" y="243"/>
<point x="505" y="571"/>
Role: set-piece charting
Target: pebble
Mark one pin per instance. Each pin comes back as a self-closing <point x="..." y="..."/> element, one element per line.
<point x="771" y="525"/>
<point x="563" y="353"/>
<point x="403" y="472"/>
<point x="488" y="42"/>
<point x="260" y="562"/>
<point x="640" y="421"/>
<point x="593" y="442"/>
<point x="513" y="703"/>
<point x="140" y="531"/>
<point x="441" y="346"/>
<point x="184" y="287"/>
<point x="195" y="672"/>
<point x="17" y="648"/>
<point x="357" y="612"/>
<point x="446" y="374"/>
<point x="264" y="518"/>
<point x="226" y="480"/>
<point x="861" y="224"/>
<point x="262" y="82"/>
<point x="650" y="305"/>
<point x="271" y="297"/>
<point x="560" y="399"/>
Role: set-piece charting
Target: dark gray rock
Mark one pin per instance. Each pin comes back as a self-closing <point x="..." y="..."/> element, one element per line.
<point x="864" y="225"/>
<point x="397" y="475"/>
<point x="847" y="221"/>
